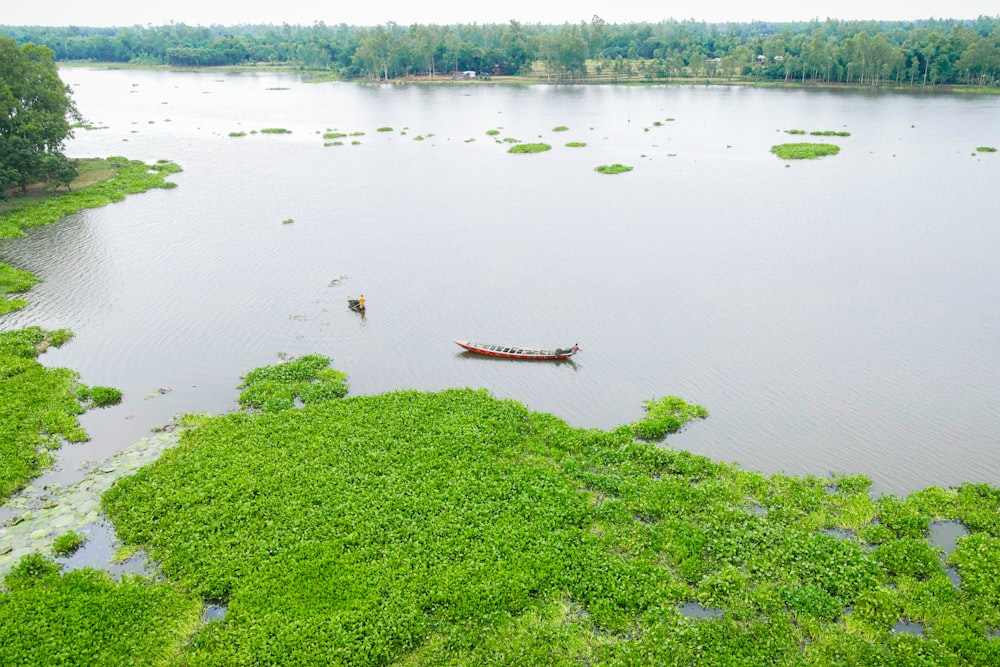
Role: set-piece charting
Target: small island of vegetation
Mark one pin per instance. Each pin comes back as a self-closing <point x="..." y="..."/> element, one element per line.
<point x="529" y="148"/>
<point x="615" y="168"/>
<point x="805" y="151"/>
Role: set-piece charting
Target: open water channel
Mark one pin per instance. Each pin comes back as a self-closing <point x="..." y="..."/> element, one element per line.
<point x="840" y="314"/>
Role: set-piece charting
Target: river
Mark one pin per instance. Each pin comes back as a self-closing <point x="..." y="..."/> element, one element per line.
<point x="838" y="314"/>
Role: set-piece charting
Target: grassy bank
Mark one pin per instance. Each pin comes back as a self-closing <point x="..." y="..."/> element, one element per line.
<point x="455" y="528"/>
<point x="100" y="182"/>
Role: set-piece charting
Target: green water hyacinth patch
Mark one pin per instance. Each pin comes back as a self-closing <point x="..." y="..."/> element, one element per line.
<point x="67" y="543"/>
<point x="39" y="406"/>
<point x="86" y="618"/>
<point x="131" y="177"/>
<point x="804" y="151"/>
<point x="308" y="379"/>
<point x="13" y="281"/>
<point x="529" y="148"/>
<point x="666" y="415"/>
<point x="612" y="169"/>
<point x="986" y="149"/>
<point x="456" y="528"/>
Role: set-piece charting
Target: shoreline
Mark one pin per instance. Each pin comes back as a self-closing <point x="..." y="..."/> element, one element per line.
<point x="325" y="76"/>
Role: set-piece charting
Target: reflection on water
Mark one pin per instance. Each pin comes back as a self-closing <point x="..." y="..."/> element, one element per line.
<point x="835" y="315"/>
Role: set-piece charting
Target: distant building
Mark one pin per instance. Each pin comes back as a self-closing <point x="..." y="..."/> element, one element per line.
<point x="469" y="74"/>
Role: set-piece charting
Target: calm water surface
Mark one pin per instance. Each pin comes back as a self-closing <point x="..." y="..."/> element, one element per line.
<point x="832" y="315"/>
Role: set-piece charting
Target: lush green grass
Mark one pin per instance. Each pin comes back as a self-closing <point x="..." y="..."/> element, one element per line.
<point x="795" y="131"/>
<point x="612" y="168"/>
<point x="576" y="144"/>
<point x="334" y="135"/>
<point x="492" y="133"/>
<point x="560" y="128"/>
<point x="806" y="151"/>
<point x="85" y="618"/>
<point x="986" y="149"/>
<point x="275" y="130"/>
<point x="830" y="133"/>
<point x="38" y="405"/>
<point x="239" y="133"/>
<point x="384" y="129"/>
<point x="529" y="148"/>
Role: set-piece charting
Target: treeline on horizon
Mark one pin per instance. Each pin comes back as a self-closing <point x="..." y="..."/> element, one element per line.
<point x="927" y="52"/>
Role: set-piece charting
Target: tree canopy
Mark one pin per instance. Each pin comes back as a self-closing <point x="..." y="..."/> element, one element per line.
<point x="872" y="53"/>
<point x="35" y="109"/>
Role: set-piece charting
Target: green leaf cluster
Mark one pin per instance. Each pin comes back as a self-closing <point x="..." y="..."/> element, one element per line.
<point x="98" y="397"/>
<point x="529" y="148"/>
<point x="806" y="151"/>
<point x="39" y="406"/>
<point x="86" y="618"/>
<point x="12" y="281"/>
<point x="67" y="543"/>
<point x="455" y="528"/>
<point x="666" y="415"/>
<point x="612" y="168"/>
<point x="307" y="379"/>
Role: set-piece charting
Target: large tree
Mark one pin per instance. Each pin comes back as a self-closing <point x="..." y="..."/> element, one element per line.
<point x="35" y="109"/>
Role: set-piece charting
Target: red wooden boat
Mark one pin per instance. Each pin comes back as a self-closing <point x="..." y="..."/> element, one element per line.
<point x="516" y="352"/>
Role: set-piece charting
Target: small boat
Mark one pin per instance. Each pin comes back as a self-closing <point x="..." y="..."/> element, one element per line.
<point x="517" y="352"/>
<point x="357" y="305"/>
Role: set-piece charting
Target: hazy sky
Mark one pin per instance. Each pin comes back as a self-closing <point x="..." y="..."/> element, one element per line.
<point x="306" y="12"/>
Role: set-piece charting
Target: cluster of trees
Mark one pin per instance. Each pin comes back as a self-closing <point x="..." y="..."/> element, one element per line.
<point x="872" y="53"/>
<point x="35" y="110"/>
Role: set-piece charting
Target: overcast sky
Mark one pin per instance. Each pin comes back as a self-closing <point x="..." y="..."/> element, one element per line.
<point x="443" y="12"/>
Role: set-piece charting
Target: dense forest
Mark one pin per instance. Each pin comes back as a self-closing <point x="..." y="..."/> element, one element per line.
<point x="930" y="52"/>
